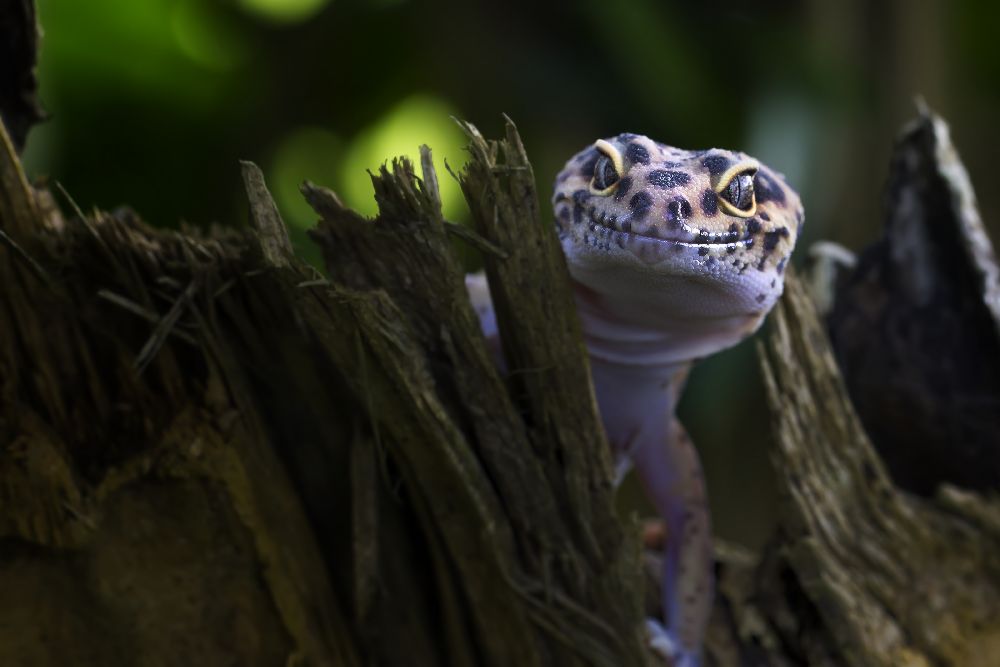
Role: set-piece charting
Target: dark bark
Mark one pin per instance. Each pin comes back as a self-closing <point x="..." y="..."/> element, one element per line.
<point x="342" y="452"/>
<point x="19" y="107"/>
<point x="861" y="572"/>
<point x="211" y="454"/>
<point x="916" y="327"/>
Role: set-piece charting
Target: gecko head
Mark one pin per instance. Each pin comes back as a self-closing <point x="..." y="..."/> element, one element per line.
<point x="715" y="226"/>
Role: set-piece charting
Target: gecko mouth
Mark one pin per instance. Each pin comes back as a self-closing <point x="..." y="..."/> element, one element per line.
<point x="728" y="241"/>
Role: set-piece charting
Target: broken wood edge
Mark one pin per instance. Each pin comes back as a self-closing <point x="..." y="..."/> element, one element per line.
<point x="410" y="214"/>
<point x="860" y="548"/>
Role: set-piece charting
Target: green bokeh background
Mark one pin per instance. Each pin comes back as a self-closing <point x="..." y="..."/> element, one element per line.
<point x="152" y="103"/>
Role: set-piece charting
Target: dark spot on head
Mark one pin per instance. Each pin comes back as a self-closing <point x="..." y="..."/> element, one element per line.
<point x="771" y="240"/>
<point x="731" y="248"/>
<point x="765" y="217"/>
<point x="733" y="234"/>
<point x="640" y="204"/>
<point x="781" y="265"/>
<point x="767" y="190"/>
<point x="663" y="178"/>
<point x="760" y="298"/>
<point x="703" y="251"/>
<point x="753" y="226"/>
<point x="563" y="213"/>
<point x="773" y="281"/>
<point x="709" y="203"/>
<point x="623" y="187"/>
<point x="637" y="154"/>
<point x="703" y="236"/>
<point x="577" y="214"/>
<point x="627" y="226"/>
<point x="581" y="196"/>
<point x="678" y="210"/>
<point x="716" y="164"/>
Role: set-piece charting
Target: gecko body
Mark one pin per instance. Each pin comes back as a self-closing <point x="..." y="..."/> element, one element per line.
<point x="674" y="255"/>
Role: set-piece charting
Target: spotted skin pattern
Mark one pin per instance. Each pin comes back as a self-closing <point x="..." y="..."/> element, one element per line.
<point x="667" y="271"/>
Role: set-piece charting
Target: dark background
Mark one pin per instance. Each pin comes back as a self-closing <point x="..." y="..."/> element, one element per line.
<point x="153" y="102"/>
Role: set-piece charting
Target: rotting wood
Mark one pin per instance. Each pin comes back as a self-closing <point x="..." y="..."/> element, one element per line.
<point x="916" y="326"/>
<point x="356" y="482"/>
<point x="348" y="438"/>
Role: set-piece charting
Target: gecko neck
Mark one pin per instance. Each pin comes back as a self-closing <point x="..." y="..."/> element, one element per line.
<point x="637" y="404"/>
<point x="635" y="331"/>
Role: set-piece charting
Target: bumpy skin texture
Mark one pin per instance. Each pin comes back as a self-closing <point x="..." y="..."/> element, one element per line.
<point x="667" y="269"/>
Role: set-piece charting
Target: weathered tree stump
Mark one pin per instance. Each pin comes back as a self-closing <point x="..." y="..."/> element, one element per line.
<point x="211" y="454"/>
<point x="222" y="456"/>
<point x="862" y="573"/>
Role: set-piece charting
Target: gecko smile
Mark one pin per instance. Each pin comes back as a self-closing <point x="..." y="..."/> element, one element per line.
<point x="621" y="230"/>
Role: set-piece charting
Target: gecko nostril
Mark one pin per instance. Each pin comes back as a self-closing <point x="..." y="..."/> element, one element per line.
<point x="678" y="210"/>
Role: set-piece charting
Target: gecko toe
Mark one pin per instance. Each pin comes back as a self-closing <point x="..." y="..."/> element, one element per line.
<point x="665" y="645"/>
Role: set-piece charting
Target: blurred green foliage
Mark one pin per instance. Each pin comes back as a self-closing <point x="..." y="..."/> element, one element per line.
<point x="152" y="103"/>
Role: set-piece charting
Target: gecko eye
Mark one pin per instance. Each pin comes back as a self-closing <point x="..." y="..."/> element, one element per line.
<point x="605" y="174"/>
<point x="607" y="169"/>
<point x="735" y="190"/>
<point x="739" y="192"/>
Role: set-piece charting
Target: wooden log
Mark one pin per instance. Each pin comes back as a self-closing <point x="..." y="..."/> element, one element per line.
<point x="220" y="456"/>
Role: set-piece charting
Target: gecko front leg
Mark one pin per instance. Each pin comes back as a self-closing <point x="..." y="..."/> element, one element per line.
<point x="637" y="406"/>
<point x="671" y="474"/>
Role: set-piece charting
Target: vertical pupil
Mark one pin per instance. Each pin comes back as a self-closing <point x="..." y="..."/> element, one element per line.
<point x="734" y="192"/>
<point x="746" y="190"/>
<point x="740" y="191"/>
<point x="605" y="174"/>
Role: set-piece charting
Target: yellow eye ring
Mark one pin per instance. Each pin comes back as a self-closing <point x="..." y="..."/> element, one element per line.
<point x="727" y="178"/>
<point x="608" y="151"/>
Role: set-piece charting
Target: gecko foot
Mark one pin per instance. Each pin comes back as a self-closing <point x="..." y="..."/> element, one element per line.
<point x="665" y="645"/>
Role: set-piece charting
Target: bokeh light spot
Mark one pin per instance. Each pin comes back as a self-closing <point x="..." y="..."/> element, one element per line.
<point x="307" y="153"/>
<point x="284" y="11"/>
<point x="205" y="37"/>
<point x="420" y="119"/>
